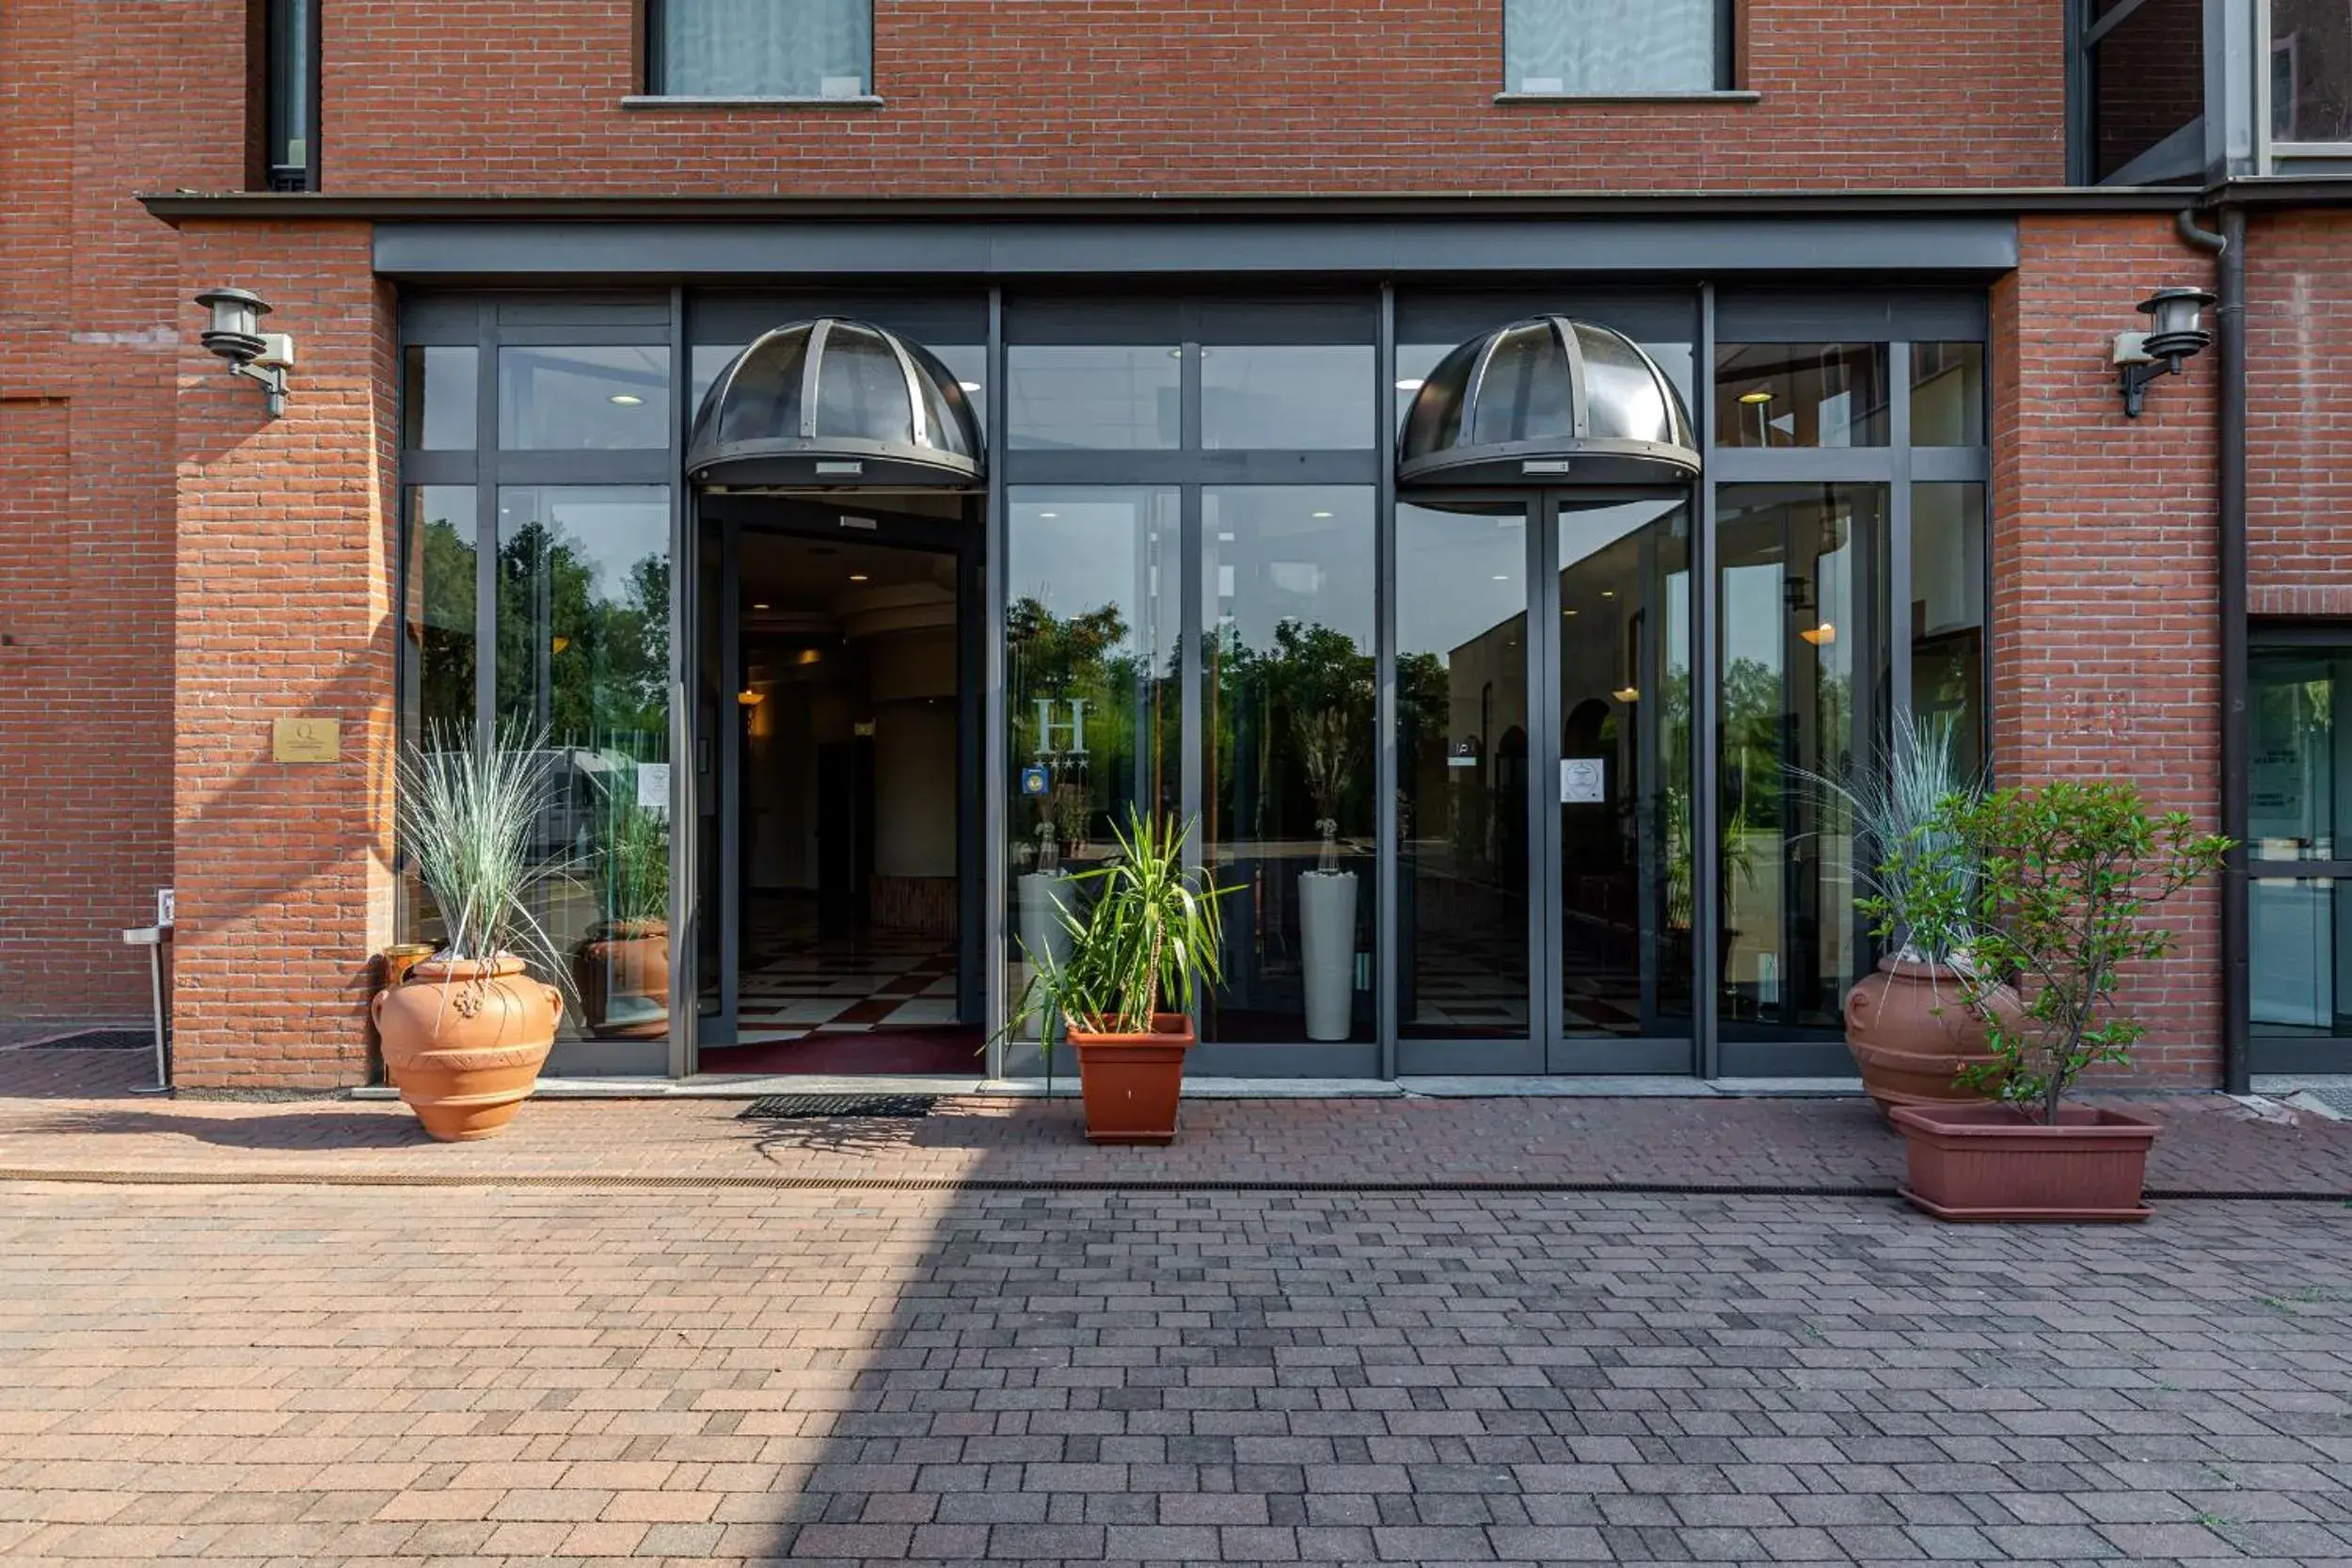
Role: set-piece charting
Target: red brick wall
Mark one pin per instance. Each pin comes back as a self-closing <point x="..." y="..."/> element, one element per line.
<point x="286" y="555"/>
<point x="2298" y="436"/>
<point x="96" y="103"/>
<point x="2106" y="592"/>
<point x="1143" y="96"/>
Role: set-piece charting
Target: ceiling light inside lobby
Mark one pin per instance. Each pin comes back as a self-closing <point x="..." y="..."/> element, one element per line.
<point x="1759" y="395"/>
<point x="627" y="400"/>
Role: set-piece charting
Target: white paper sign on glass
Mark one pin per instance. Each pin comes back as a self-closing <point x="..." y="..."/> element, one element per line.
<point x="653" y="786"/>
<point x="1584" y="781"/>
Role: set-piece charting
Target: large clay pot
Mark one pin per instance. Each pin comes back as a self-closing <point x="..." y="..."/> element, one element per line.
<point x="464" y="1042"/>
<point x="1994" y="1162"/>
<point x="623" y="971"/>
<point x="1327" y="931"/>
<point x="1131" y="1083"/>
<point x="1912" y="1031"/>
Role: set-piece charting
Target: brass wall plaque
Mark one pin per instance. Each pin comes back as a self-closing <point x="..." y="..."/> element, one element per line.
<point x="306" y="741"/>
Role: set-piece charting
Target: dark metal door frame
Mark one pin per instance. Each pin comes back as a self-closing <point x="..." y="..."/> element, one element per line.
<point x="960" y="539"/>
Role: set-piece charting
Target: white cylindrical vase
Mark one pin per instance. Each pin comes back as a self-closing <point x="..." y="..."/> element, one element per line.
<point x="1326" y="928"/>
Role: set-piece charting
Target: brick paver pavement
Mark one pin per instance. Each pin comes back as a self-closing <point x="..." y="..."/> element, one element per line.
<point x="336" y="1375"/>
<point x="2210" y="1143"/>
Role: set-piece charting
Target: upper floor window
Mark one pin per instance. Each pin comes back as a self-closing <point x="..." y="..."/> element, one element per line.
<point x="759" y="48"/>
<point x="2311" y="70"/>
<point x="1602" y="48"/>
<point x="2144" y="91"/>
<point x="290" y="95"/>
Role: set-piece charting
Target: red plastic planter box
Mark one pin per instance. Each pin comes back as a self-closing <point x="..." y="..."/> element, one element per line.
<point x="1991" y="1163"/>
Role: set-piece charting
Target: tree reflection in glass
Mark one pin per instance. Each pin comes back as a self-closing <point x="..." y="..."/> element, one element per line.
<point x="582" y="579"/>
<point x="1289" y="811"/>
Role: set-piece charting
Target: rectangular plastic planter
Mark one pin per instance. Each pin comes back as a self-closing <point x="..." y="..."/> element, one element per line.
<point x="1131" y="1083"/>
<point x="1990" y="1162"/>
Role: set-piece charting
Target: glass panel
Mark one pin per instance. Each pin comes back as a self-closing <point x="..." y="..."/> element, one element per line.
<point x="1801" y="395"/>
<point x="1803" y="679"/>
<point x="1946" y="614"/>
<point x="1095" y="399"/>
<point x="713" y="711"/>
<point x="293" y="50"/>
<point x="2301" y="938"/>
<point x="583" y="651"/>
<point x="437" y="406"/>
<point x="1947" y="394"/>
<point x="1305" y="399"/>
<point x="1462" y="766"/>
<point x="764" y="48"/>
<point x="705" y="361"/>
<point x="437" y="700"/>
<point x="1524" y="391"/>
<point x="1093" y="710"/>
<point x="1286" y="606"/>
<point x="1622" y="397"/>
<point x="1625" y="769"/>
<point x="2148" y="88"/>
<point x="862" y="389"/>
<point x="1609" y="46"/>
<point x="583" y="399"/>
<point x="2311" y="70"/>
<point x="2299" y="759"/>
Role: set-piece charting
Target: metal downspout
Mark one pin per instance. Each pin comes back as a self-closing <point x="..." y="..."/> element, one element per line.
<point x="2229" y="247"/>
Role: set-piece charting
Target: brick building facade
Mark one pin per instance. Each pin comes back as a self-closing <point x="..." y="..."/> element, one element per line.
<point x="1837" y="207"/>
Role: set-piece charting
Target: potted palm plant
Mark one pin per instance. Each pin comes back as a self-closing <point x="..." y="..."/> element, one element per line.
<point x="2063" y="878"/>
<point x="1328" y="684"/>
<point x="1912" y="1033"/>
<point x="465" y="1037"/>
<point x="1124" y="988"/>
<point x="622" y="966"/>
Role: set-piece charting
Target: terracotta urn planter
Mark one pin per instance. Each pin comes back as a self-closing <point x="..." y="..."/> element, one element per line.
<point x="464" y="1042"/>
<point x="1131" y="1083"/>
<point x="1911" y="1032"/>
<point x="1991" y="1162"/>
<point x="623" y="971"/>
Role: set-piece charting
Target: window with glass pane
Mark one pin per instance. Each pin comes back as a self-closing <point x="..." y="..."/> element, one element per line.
<point x="1289" y="809"/>
<point x="2299" y="756"/>
<point x="1947" y="394"/>
<point x="1462" y="774"/>
<point x="1094" y="398"/>
<point x="436" y="411"/>
<point x="1801" y="395"/>
<point x="1803" y="684"/>
<point x="2146" y="97"/>
<point x="760" y="48"/>
<point x="1626" y="928"/>
<point x="1947" y="616"/>
<point x="1606" y="47"/>
<point x="2311" y="70"/>
<point x="1092" y="706"/>
<point x="2299" y="933"/>
<point x="1312" y="398"/>
<point x="437" y="665"/>
<point x="584" y="669"/>
<point x="570" y="398"/>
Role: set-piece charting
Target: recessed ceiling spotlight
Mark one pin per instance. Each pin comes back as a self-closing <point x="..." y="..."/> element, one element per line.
<point x="760" y="607"/>
<point x="857" y="577"/>
<point x="627" y="400"/>
<point x="1759" y="395"/>
<point x="1503" y="576"/>
<point x="1322" y="515"/>
<point x="969" y="385"/>
<point x="1049" y="514"/>
<point x="1410" y="384"/>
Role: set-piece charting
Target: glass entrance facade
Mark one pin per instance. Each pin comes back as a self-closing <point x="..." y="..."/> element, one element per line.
<point x="1501" y="780"/>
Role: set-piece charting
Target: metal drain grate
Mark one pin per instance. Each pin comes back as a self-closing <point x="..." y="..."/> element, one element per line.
<point x="99" y="1040"/>
<point x="801" y="1107"/>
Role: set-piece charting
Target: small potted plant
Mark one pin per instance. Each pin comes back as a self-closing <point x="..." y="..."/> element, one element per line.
<point x="465" y="1037"/>
<point x="2064" y="877"/>
<point x="1124" y="987"/>
<point x="1911" y="1031"/>
<point x="622" y="966"/>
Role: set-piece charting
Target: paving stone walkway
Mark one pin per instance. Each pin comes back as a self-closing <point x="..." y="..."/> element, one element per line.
<point x="325" y="1375"/>
<point x="2211" y="1144"/>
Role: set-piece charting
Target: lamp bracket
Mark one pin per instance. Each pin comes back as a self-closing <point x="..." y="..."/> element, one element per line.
<point x="2135" y="376"/>
<point x="273" y="380"/>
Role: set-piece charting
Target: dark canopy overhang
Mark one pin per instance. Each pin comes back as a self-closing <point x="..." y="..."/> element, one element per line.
<point x="832" y="403"/>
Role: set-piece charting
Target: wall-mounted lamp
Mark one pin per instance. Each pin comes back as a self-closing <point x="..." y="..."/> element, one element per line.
<point x="236" y="335"/>
<point x="2174" y="336"/>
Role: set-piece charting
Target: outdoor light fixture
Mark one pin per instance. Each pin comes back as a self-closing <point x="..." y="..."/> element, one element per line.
<point x="235" y="335"/>
<point x="2174" y="336"/>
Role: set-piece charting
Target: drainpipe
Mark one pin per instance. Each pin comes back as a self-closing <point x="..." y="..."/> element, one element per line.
<point x="2229" y="247"/>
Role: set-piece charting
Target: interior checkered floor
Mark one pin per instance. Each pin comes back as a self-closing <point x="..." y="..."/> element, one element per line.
<point x="797" y="982"/>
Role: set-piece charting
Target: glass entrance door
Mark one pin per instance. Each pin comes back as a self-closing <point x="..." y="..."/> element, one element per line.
<point x="1544" y="755"/>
